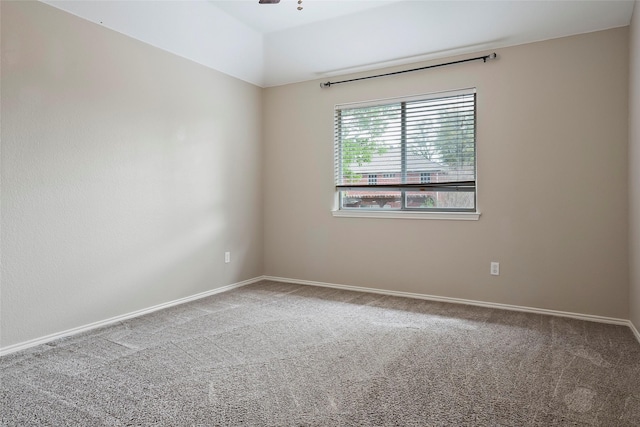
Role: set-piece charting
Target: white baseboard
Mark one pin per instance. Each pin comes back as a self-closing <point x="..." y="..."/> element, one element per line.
<point x="634" y="330"/>
<point x="579" y="316"/>
<point x="42" y="340"/>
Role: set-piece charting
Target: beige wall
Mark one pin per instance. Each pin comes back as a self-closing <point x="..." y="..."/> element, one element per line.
<point x="552" y="171"/>
<point x="634" y="167"/>
<point x="126" y="174"/>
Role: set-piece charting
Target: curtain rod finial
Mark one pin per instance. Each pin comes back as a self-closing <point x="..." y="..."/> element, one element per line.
<point x="488" y="57"/>
<point x="324" y="85"/>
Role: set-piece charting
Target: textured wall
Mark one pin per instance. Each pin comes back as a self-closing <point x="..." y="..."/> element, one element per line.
<point x="126" y="174"/>
<point x="634" y="166"/>
<point x="552" y="173"/>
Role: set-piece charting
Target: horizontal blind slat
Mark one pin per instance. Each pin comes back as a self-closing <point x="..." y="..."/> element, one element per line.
<point x="438" y="133"/>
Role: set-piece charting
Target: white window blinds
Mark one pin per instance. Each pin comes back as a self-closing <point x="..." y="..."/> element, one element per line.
<point x="394" y="144"/>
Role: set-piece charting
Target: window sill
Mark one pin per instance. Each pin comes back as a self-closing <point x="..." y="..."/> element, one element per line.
<point x="459" y="216"/>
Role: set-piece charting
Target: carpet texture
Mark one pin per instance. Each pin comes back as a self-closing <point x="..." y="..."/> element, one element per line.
<point x="274" y="354"/>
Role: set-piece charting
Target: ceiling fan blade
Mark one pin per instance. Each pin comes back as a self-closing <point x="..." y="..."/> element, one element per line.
<point x="269" y="1"/>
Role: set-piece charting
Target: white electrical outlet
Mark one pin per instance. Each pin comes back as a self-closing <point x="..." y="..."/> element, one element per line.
<point x="495" y="268"/>
<point x="227" y="257"/>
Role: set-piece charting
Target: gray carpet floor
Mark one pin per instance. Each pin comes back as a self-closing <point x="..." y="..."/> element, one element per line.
<point x="275" y="354"/>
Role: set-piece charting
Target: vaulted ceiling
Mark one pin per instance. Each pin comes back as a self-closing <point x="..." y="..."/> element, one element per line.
<point x="276" y="44"/>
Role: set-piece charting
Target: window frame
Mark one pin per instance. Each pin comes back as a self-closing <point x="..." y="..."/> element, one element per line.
<point x="404" y="188"/>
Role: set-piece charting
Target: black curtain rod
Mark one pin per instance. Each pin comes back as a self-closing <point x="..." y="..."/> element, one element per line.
<point x="484" y="59"/>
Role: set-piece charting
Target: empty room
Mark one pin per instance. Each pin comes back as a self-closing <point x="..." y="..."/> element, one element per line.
<point x="320" y="213"/>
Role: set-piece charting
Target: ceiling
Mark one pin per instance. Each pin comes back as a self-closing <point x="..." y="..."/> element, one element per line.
<point x="276" y="17"/>
<point x="275" y="44"/>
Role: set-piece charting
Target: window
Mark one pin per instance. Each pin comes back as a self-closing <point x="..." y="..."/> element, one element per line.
<point x="423" y="147"/>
